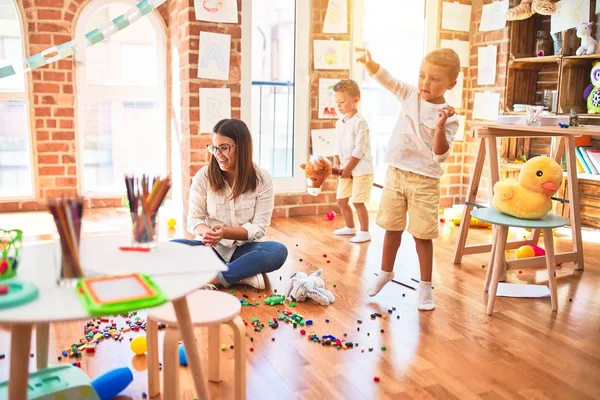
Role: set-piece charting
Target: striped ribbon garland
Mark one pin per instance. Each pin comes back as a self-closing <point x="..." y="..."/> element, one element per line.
<point x="67" y="49"/>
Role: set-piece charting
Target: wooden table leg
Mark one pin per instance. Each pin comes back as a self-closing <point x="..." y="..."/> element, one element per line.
<point x="20" y="344"/>
<point x="237" y="325"/>
<point x="214" y="353"/>
<point x="153" y="370"/>
<point x="499" y="265"/>
<point x="191" y="349"/>
<point x="42" y="332"/>
<point x="488" y="274"/>
<point x="551" y="267"/>
<point x="573" y="183"/>
<point x="471" y="198"/>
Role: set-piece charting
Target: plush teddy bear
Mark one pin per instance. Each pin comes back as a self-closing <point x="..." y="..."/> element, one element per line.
<point x="588" y="43"/>
<point x="302" y="286"/>
<point x="529" y="7"/>
<point x="529" y="197"/>
<point x="317" y="170"/>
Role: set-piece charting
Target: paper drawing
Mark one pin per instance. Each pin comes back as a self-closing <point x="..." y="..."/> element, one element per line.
<point x="215" y="105"/>
<point x="456" y="17"/>
<point x="213" y="57"/>
<point x="336" y="17"/>
<point x="486" y="106"/>
<point x="493" y="16"/>
<point x="326" y="104"/>
<point x="331" y="54"/>
<point x="216" y="10"/>
<point x="454" y="96"/>
<point x="569" y="14"/>
<point x="323" y="141"/>
<point x="486" y="65"/>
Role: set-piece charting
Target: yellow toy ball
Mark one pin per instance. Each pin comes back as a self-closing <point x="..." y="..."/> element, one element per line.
<point x="525" y="252"/>
<point x="139" y="345"/>
<point x="171" y="223"/>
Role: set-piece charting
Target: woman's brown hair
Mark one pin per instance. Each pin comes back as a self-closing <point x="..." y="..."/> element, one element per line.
<point x="245" y="176"/>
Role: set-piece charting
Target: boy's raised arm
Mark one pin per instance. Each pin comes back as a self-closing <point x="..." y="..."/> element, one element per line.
<point x="381" y="75"/>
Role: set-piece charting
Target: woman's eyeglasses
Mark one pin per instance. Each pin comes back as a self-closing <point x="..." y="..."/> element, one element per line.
<point x="224" y="149"/>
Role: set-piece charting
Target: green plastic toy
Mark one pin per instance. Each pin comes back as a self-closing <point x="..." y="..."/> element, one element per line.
<point x="10" y="249"/>
<point x="274" y="300"/>
<point x="119" y="294"/>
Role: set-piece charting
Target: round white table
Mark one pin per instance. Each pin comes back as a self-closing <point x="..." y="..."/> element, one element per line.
<point x="177" y="269"/>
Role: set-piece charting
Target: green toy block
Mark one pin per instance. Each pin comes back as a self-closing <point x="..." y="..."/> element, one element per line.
<point x="274" y="300"/>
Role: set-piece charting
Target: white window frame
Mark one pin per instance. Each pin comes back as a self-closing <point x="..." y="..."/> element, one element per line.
<point x="431" y="31"/>
<point x="25" y="96"/>
<point x="297" y="183"/>
<point x="125" y="93"/>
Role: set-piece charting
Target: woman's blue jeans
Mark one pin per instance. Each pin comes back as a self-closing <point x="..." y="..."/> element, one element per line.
<point x="249" y="259"/>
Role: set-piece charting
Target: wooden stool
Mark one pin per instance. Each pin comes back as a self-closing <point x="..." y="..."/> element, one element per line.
<point x="500" y="224"/>
<point x="207" y="308"/>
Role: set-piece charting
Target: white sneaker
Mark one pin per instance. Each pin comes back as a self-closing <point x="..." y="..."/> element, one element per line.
<point x="209" y="286"/>
<point x="361" y="237"/>
<point x="256" y="281"/>
<point x="345" y="231"/>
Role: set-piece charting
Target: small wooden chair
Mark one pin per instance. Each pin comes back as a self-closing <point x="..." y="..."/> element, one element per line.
<point x="500" y="223"/>
<point x="207" y="308"/>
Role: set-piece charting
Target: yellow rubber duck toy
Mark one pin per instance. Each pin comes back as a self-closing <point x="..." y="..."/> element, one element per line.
<point x="529" y="197"/>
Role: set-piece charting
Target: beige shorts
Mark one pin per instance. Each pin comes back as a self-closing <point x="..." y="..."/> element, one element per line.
<point x="413" y="193"/>
<point x="359" y="188"/>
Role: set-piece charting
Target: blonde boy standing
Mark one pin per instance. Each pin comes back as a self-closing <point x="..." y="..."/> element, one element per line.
<point x="352" y="155"/>
<point x="420" y="142"/>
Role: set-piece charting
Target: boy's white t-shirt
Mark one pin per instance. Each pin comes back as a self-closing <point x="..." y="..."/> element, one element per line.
<point x="411" y="144"/>
<point x="352" y="140"/>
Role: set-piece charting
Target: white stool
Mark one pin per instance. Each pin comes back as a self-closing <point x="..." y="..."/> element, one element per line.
<point x="207" y="308"/>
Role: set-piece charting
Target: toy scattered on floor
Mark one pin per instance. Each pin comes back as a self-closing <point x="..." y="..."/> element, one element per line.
<point x="171" y="223"/>
<point x="529" y="7"/>
<point x="331" y="215"/>
<point x="563" y="125"/>
<point x="303" y="286"/>
<point x="588" y="43"/>
<point x="139" y="345"/>
<point x="593" y="99"/>
<point x="529" y="197"/>
<point x="455" y="215"/>
<point x="274" y="300"/>
<point x="317" y="170"/>
<point x="110" y="384"/>
<point x="182" y="356"/>
<point x="529" y="251"/>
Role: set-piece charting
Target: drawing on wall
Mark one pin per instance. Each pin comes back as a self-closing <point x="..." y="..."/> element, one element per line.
<point x="456" y="17"/>
<point x="569" y="14"/>
<point x="454" y="96"/>
<point x="493" y="16"/>
<point x="485" y="105"/>
<point x="336" y="17"/>
<point x="323" y="141"/>
<point x="331" y="54"/>
<point x="213" y="56"/>
<point x="326" y="104"/>
<point x="486" y="64"/>
<point x="216" y="10"/>
<point x="215" y="105"/>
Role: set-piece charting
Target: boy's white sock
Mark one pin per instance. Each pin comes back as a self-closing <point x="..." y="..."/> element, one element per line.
<point x="361" y="236"/>
<point x="379" y="282"/>
<point x="425" y="296"/>
<point x="345" y="231"/>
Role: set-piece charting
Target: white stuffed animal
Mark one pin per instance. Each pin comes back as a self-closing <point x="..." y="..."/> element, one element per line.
<point x="588" y="43"/>
<point x="312" y="286"/>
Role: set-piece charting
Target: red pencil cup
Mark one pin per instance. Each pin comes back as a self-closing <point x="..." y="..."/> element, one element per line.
<point x="144" y="229"/>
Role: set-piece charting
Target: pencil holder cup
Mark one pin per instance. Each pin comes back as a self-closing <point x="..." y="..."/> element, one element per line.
<point x="10" y="252"/>
<point x="144" y="229"/>
<point x="68" y="217"/>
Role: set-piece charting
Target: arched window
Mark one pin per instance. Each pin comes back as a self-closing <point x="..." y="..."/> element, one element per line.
<point x="15" y="146"/>
<point x="121" y="100"/>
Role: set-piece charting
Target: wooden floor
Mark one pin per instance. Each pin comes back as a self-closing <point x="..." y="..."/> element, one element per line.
<point x="455" y="352"/>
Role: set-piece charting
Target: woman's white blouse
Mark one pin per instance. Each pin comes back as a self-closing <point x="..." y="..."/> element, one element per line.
<point x="251" y="210"/>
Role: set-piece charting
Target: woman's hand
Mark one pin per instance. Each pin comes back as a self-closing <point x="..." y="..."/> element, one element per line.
<point x="212" y="237"/>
